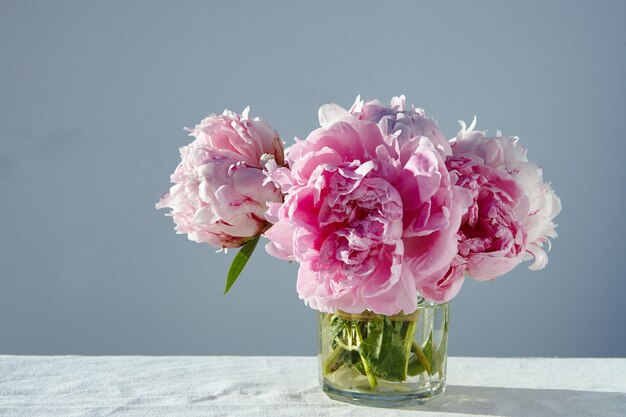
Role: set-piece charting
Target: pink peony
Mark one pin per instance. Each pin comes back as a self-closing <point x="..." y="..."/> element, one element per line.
<point x="393" y="120"/>
<point x="507" y="154"/>
<point x="398" y="120"/>
<point x="448" y="286"/>
<point x="219" y="196"/>
<point x="371" y="219"/>
<point x="492" y="238"/>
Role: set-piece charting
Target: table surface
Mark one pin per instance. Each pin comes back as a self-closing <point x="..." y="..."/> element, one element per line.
<point x="288" y="386"/>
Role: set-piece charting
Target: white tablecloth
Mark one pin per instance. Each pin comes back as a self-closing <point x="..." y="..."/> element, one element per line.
<point x="288" y="386"/>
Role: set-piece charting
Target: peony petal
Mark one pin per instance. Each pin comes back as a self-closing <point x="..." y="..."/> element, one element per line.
<point x="332" y="113"/>
<point x="281" y="241"/>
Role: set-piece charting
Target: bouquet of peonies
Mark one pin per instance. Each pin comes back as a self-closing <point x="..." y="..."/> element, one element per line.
<point x="377" y="206"/>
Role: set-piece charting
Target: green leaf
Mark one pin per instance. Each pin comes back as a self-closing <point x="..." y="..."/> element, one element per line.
<point x="370" y="346"/>
<point x="392" y="359"/>
<point x="239" y="262"/>
<point x="384" y="350"/>
<point x="336" y="326"/>
<point x="415" y="366"/>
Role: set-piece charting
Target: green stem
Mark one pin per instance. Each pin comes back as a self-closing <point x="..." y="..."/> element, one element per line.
<point x="437" y="362"/>
<point x="422" y="357"/>
<point x="408" y="342"/>
<point x="329" y="363"/>
<point x="371" y="377"/>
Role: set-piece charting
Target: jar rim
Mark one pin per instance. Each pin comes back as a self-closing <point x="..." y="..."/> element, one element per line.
<point x="368" y="315"/>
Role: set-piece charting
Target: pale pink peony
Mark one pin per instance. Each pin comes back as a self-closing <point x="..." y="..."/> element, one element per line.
<point x="508" y="154"/>
<point x="219" y="196"/>
<point x="372" y="220"/>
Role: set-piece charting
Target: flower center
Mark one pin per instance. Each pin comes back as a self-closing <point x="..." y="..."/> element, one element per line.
<point x="361" y="217"/>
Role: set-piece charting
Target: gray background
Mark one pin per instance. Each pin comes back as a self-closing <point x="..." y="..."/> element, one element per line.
<point x="93" y="98"/>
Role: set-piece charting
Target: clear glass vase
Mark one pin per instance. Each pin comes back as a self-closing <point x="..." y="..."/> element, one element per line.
<point x="384" y="361"/>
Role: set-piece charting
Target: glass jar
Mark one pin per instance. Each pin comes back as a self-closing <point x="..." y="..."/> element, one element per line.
<point x="384" y="361"/>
